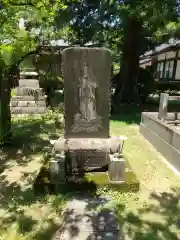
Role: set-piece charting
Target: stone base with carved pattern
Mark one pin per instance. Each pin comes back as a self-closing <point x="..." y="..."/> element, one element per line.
<point x="76" y="155"/>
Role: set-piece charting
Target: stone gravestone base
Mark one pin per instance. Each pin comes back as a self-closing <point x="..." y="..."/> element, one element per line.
<point x="76" y="155"/>
<point x="29" y="98"/>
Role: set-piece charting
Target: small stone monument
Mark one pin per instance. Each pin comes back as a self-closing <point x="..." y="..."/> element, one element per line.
<point x="163" y="106"/>
<point x="86" y="143"/>
<point x="29" y="97"/>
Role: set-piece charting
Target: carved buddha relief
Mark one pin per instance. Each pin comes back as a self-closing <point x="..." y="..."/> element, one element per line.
<point x="87" y="119"/>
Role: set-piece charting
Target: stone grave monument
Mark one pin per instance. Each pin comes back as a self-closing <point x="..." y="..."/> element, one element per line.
<point x="86" y="143"/>
<point x="163" y="106"/>
<point x="29" y="97"/>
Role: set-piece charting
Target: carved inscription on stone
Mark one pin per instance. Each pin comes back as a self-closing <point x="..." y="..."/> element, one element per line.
<point x="29" y="92"/>
<point x="17" y="110"/>
<point x="88" y="158"/>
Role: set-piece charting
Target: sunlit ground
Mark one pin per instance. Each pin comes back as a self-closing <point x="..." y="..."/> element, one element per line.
<point x="152" y="213"/>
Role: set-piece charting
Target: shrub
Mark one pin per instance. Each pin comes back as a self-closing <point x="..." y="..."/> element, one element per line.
<point x="146" y="84"/>
<point x="50" y="83"/>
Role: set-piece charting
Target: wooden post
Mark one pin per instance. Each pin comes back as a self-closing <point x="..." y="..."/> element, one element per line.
<point x="163" y="106"/>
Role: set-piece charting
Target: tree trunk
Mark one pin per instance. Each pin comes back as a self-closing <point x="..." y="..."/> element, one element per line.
<point x="127" y="89"/>
<point x="5" y="114"/>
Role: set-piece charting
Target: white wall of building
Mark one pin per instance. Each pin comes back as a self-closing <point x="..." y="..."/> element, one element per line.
<point x="171" y="54"/>
<point x="161" y="56"/>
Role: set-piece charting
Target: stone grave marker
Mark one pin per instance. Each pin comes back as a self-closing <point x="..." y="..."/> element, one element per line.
<point x="163" y="106"/>
<point x="86" y="143"/>
<point x="29" y="97"/>
<point x="86" y="86"/>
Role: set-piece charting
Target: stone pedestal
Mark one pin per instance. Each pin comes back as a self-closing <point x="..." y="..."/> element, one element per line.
<point x="116" y="168"/>
<point x="163" y="106"/>
<point x="57" y="169"/>
<point x="29" y="97"/>
<point x="75" y="155"/>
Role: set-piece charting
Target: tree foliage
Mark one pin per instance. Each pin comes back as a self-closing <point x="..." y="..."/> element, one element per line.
<point x="128" y="27"/>
<point x="16" y="43"/>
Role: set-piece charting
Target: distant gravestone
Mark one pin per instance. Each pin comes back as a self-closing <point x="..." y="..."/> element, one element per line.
<point x="29" y="97"/>
<point x="87" y="73"/>
<point x="163" y="106"/>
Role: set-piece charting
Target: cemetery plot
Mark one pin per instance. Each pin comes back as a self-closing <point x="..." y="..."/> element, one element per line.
<point x="159" y="130"/>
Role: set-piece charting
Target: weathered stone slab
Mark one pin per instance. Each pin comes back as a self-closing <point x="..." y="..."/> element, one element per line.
<point x="22" y="74"/>
<point x="95" y="144"/>
<point x="26" y="115"/>
<point x="163" y="106"/>
<point x="29" y="83"/>
<point x="28" y="110"/>
<point x="88" y="159"/>
<point x="40" y="103"/>
<point x="26" y="91"/>
<point x="14" y="103"/>
<point x="88" y="144"/>
<point x="169" y="117"/>
<point x="30" y="104"/>
<point x="28" y="98"/>
<point x="87" y="73"/>
<point x="116" y="169"/>
<point x="170" y="153"/>
<point x="27" y="103"/>
<point x="81" y="221"/>
<point x="57" y="169"/>
<point x="176" y="140"/>
<point x="157" y="126"/>
<point x="91" y="152"/>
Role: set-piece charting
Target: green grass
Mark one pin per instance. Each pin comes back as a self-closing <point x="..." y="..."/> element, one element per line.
<point x="152" y="213"/>
<point x="24" y="214"/>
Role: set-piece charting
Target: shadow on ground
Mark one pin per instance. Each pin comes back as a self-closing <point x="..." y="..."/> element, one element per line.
<point x="142" y="225"/>
<point x="20" y="163"/>
<point x="159" y="220"/>
<point x="146" y="224"/>
<point x="18" y="199"/>
<point x="20" y="206"/>
<point x="30" y="138"/>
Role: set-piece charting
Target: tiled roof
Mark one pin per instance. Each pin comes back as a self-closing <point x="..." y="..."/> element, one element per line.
<point x="162" y="47"/>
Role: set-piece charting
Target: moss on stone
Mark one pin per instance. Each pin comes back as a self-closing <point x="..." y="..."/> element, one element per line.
<point x="92" y="181"/>
<point x="100" y="178"/>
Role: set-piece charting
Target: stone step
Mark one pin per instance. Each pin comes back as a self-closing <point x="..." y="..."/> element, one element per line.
<point x="27" y="91"/>
<point x="28" y="75"/>
<point x="27" y="103"/>
<point x="29" y="83"/>
<point x="28" y="98"/>
<point x="28" y="110"/>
